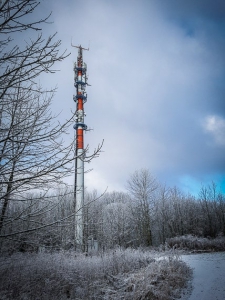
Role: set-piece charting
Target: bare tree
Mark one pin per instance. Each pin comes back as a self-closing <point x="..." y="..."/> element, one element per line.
<point x="207" y="209"/>
<point x="161" y="215"/>
<point x="34" y="155"/>
<point x="23" y="63"/>
<point x="118" y="229"/>
<point x="141" y="186"/>
<point x="213" y="208"/>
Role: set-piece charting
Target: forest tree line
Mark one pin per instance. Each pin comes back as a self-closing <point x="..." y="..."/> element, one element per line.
<point x="146" y="215"/>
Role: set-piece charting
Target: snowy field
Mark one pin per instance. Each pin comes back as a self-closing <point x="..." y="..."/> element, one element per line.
<point x="208" y="281"/>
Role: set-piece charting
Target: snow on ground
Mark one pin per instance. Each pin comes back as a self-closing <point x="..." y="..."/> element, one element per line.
<point x="208" y="276"/>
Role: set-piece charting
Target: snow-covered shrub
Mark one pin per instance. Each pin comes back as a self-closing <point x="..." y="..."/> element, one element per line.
<point x="190" y="242"/>
<point x="119" y="274"/>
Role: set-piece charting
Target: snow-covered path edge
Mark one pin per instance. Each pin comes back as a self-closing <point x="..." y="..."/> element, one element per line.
<point x="208" y="282"/>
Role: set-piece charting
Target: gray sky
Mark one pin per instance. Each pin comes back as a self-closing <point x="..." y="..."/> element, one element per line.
<point x="157" y="74"/>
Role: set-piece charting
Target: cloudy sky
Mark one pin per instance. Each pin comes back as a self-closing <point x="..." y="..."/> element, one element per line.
<point x="157" y="75"/>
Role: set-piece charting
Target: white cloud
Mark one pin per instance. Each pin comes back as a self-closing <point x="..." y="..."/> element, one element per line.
<point x="215" y="125"/>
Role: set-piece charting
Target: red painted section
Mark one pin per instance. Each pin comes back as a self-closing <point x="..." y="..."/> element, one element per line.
<point x="80" y="104"/>
<point x="80" y="140"/>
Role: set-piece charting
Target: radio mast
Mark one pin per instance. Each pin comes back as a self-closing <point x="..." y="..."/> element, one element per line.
<point x="80" y="82"/>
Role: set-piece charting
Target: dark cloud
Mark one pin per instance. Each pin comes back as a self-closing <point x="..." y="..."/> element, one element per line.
<point x="212" y="9"/>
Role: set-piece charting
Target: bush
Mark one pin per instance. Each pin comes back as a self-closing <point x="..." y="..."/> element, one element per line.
<point x="118" y="274"/>
<point x="194" y="243"/>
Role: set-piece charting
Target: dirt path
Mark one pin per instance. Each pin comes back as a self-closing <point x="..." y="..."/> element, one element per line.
<point x="208" y="276"/>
